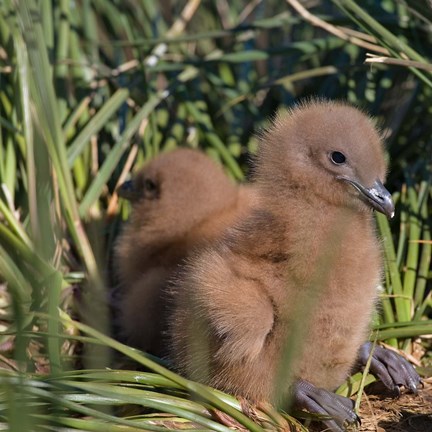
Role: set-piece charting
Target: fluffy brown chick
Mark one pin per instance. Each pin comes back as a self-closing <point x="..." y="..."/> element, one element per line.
<point x="180" y="201"/>
<point x="304" y="264"/>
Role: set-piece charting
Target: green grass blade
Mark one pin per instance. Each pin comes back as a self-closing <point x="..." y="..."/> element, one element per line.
<point x="96" y="123"/>
<point x="402" y="305"/>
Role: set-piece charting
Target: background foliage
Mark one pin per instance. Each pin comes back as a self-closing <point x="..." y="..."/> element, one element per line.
<point x="91" y="88"/>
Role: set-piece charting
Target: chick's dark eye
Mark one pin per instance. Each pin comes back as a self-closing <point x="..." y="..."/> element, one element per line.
<point x="150" y="189"/>
<point x="337" y="158"/>
<point x="149" y="185"/>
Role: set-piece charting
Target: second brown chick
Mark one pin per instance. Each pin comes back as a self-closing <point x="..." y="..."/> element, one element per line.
<point x="181" y="201"/>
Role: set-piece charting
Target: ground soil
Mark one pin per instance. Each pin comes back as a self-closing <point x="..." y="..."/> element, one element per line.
<point x="408" y="413"/>
<point x="380" y="412"/>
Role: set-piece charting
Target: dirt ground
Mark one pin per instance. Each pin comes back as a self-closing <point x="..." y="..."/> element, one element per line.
<point x="408" y="413"/>
<point x="381" y="413"/>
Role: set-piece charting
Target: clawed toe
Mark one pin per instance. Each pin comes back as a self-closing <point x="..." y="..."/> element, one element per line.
<point x="391" y="368"/>
<point x="337" y="410"/>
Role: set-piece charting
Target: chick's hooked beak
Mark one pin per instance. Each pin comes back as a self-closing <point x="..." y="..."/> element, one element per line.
<point x="377" y="196"/>
<point x="127" y="191"/>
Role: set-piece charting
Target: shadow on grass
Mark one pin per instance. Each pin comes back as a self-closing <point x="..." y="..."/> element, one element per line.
<point x="408" y="422"/>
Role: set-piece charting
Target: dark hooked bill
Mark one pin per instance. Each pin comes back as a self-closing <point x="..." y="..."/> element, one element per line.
<point x="377" y="196"/>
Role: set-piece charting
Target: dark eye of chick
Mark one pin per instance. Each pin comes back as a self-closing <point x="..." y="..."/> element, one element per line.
<point x="151" y="189"/>
<point x="150" y="185"/>
<point x="337" y="158"/>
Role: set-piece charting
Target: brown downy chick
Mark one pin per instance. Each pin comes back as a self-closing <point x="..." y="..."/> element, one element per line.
<point x="304" y="264"/>
<point x="180" y="201"/>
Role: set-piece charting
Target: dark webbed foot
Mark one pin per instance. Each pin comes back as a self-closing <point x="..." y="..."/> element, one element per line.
<point x="391" y="368"/>
<point x="323" y="402"/>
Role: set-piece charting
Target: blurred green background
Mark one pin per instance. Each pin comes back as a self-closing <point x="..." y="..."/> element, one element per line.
<point x="89" y="89"/>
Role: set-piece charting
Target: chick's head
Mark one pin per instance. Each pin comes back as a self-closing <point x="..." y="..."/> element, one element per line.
<point x="327" y="150"/>
<point x="177" y="190"/>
